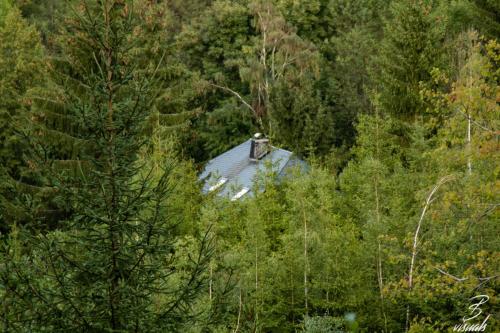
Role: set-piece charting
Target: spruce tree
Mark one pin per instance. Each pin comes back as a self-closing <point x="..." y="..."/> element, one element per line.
<point x="411" y="47"/>
<point x="173" y="107"/>
<point x="112" y="263"/>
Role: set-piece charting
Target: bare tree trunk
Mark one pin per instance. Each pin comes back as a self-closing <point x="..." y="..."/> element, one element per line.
<point x="239" y="314"/>
<point x="377" y="216"/>
<point x="381" y="285"/>
<point x="469" y="145"/>
<point x="256" y="286"/>
<point x="306" y="264"/>
<point x="210" y="285"/>
<point x="264" y="87"/>
<point x="292" y="287"/>
<point x="428" y="201"/>
<point x="377" y="142"/>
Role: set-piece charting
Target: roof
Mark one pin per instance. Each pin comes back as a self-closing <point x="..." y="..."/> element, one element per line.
<point x="233" y="173"/>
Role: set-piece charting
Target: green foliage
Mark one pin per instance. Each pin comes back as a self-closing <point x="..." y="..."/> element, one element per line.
<point x="323" y="325"/>
<point x="21" y="61"/>
<point x="345" y="34"/>
<point x="116" y="263"/>
<point x="300" y="118"/>
<point x="281" y="69"/>
<point x="46" y="16"/>
<point x="454" y="260"/>
<point x="277" y="239"/>
<point x="5" y="6"/>
<point x="105" y="121"/>
<point x="210" y="48"/>
<point x="482" y="15"/>
<point x="411" y="47"/>
<point x="226" y="127"/>
<point x="173" y="107"/>
<point x="21" y="69"/>
<point x="272" y="70"/>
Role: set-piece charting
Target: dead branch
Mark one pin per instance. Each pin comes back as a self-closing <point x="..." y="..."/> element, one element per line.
<point x="237" y="96"/>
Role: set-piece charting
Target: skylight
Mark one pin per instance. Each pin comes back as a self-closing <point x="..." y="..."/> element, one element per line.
<point x="241" y="193"/>
<point x="219" y="183"/>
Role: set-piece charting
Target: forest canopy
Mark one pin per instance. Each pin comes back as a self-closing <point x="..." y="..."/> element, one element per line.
<point x="110" y="110"/>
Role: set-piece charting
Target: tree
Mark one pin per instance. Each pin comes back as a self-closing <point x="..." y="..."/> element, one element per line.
<point x="289" y="93"/>
<point x="45" y="15"/>
<point x="173" y="107"/>
<point x="481" y="15"/>
<point x="112" y="265"/>
<point x="410" y="49"/>
<point x="473" y="97"/>
<point x="300" y="118"/>
<point x="210" y="49"/>
<point x="460" y="259"/>
<point x="443" y="253"/>
<point x="21" y="69"/>
<point x="5" y="6"/>
<point x="377" y="195"/>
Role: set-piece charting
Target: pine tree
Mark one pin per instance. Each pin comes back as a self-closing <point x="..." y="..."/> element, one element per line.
<point x="113" y="264"/>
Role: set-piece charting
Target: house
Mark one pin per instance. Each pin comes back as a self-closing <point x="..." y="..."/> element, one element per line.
<point x="232" y="174"/>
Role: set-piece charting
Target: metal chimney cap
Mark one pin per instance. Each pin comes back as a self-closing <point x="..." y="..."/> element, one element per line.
<point x="258" y="135"/>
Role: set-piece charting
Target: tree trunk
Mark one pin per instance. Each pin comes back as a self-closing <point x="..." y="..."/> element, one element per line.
<point x="428" y="201"/>
<point x="469" y="145"/>
<point x="306" y="264"/>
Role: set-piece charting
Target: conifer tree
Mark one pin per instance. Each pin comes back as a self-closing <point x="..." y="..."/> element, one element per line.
<point x="112" y="265"/>
<point x="173" y="107"/>
<point x="4" y="8"/>
<point x="411" y="47"/>
<point x="21" y="69"/>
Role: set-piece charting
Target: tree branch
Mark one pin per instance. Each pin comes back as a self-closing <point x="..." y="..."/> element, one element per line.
<point x="237" y="96"/>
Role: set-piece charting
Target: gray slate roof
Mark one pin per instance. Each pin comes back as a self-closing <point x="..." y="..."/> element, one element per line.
<point x="236" y="166"/>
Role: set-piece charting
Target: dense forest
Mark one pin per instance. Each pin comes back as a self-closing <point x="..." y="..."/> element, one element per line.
<point x="110" y="109"/>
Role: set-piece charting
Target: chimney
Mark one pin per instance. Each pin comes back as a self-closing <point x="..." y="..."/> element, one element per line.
<point x="259" y="147"/>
